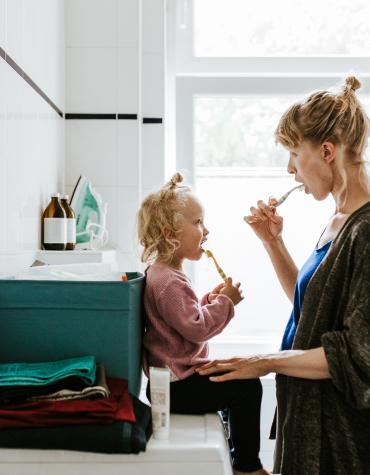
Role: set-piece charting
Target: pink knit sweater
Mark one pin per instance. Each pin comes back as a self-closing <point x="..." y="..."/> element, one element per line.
<point x="178" y="325"/>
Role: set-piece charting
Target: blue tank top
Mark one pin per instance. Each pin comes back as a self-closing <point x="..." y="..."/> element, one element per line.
<point x="303" y="279"/>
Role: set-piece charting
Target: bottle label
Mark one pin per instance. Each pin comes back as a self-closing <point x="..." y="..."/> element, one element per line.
<point x="55" y="231"/>
<point x="71" y="230"/>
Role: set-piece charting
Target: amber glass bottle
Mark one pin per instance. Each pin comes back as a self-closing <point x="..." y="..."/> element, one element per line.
<point x="54" y="225"/>
<point x="71" y="223"/>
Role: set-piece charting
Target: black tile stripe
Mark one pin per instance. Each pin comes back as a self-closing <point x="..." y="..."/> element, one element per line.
<point x="152" y="120"/>
<point x="82" y="116"/>
<point x="127" y="116"/>
<point x="29" y="81"/>
<point x="91" y="116"/>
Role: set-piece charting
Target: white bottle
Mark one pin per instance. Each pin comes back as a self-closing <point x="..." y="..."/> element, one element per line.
<point x="160" y="401"/>
<point x="54" y="225"/>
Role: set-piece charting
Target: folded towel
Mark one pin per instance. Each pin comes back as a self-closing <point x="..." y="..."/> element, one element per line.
<point x="17" y="394"/>
<point x="118" y="407"/>
<point x="97" y="391"/>
<point x="20" y="374"/>
<point x="118" y="437"/>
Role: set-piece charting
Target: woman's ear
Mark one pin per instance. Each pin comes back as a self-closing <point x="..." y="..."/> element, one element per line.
<point x="328" y="151"/>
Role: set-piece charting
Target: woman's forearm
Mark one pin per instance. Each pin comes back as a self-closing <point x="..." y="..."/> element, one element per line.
<point x="284" y="266"/>
<point x="307" y="364"/>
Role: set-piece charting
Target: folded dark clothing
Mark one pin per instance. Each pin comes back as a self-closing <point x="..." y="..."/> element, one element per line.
<point x="118" y="437"/>
<point x="34" y="374"/>
<point x="97" y="391"/>
<point x="50" y="413"/>
<point x="72" y="387"/>
<point x="16" y="394"/>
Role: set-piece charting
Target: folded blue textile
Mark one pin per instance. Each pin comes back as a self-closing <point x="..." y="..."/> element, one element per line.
<point x="36" y="374"/>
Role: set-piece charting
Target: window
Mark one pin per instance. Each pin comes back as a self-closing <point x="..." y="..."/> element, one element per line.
<point x="237" y="69"/>
<point x="241" y="28"/>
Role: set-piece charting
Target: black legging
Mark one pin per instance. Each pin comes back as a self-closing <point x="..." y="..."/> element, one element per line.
<point x="242" y="400"/>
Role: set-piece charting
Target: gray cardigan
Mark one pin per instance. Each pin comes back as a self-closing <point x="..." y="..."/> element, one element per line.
<point x="324" y="425"/>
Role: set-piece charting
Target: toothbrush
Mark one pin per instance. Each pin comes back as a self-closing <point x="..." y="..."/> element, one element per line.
<point x="285" y="196"/>
<point x="219" y="270"/>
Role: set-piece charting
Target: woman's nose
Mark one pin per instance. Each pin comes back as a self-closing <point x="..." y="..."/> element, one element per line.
<point x="290" y="167"/>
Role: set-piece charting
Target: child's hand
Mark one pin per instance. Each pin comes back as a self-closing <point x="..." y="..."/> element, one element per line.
<point x="215" y="292"/>
<point x="234" y="292"/>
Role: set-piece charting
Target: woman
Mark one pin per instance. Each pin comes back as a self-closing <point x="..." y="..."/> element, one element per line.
<point x="323" y="382"/>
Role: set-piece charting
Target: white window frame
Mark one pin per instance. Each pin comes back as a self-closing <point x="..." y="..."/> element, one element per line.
<point x="187" y="63"/>
<point x="189" y="87"/>
<point x="242" y="76"/>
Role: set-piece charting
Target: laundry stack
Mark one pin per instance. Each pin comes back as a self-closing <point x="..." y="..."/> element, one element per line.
<point x="70" y="404"/>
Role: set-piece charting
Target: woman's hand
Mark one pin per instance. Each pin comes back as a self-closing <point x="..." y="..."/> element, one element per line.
<point x="307" y="364"/>
<point x="234" y="292"/>
<point x="236" y="368"/>
<point x="265" y="221"/>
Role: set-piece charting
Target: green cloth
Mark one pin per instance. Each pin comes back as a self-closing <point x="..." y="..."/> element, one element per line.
<point x="36" y="374"/>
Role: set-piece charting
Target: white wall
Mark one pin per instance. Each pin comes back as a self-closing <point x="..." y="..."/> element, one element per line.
<point x="115" y="65"/>
<point x="31" y="131"/>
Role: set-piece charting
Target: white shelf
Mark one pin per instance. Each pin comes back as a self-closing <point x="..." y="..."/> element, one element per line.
<point x="77" y="256"/>
<point x="196" y="445"/>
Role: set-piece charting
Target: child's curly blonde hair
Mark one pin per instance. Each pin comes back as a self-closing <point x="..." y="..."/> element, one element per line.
<point x="159" y="220"/>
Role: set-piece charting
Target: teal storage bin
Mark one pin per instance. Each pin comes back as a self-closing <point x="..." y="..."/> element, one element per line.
<point x="43" y="320"/>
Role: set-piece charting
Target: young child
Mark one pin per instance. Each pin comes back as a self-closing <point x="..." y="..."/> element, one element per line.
<point x="171" y="229"/>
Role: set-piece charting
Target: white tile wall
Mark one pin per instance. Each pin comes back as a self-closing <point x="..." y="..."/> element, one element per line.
<point x="152" y="156"/>
<point x="34" y="31"/>
<point x="14" y="159"/>
<point x="91" y="23"/>
<point x="128" y="80"/>
<point x="3" y="68"/>
<point x="31" y="132"/>
<point x="14" y="30"/>
<point x="127" y="153"/>
<point x="127" y="23"/>
<point x="104" y="76"/>
<point x="152" y="85"/>
<point x="128" y="204"/>
<point x="153" y="31"/>
<point x="102" y="65"/>
<point x="152" y="92"/>
<point x="91" y="148"/>
<point x="2" y="22"/>
<point x="91" y="80"/>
